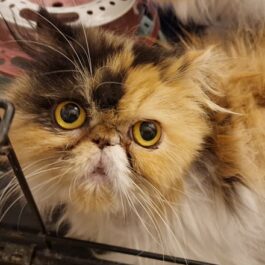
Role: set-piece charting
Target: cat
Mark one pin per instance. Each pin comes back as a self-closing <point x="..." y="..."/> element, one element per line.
<point x="156" y="148"/>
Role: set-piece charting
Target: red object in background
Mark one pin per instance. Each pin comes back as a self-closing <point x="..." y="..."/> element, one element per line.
<point x="9" y="53"/>
<point x="118" y="15"/>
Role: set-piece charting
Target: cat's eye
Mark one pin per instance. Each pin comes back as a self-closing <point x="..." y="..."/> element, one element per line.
<point x="146" y="133"/>
<point x="69" y="115"/>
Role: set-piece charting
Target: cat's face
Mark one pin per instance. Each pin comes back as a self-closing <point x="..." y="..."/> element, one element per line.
<point x="103" y="122"/>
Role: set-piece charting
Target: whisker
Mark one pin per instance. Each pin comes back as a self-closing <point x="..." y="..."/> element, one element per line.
<point x="63" y="35"/>
<point x="6" y="190"/>
<point x="59" y="179"/>
<point x="152" y="219"/>
<point x="185" y="193"/>
<point x="59" y="71"/>
<point x="9" y="208"/>
<point x="137" y="214"/>
<point x="122" y="205"/>
<point x="154" y="208"/>
<point x="87" y="52"/>
<point x="108" y="82"/>
<point x="37" y="173"/>
<point x="6" y="173"/>
<point x="20" y="214"/>
<point x="44" y="45"/>
<point x="165" y="223"/>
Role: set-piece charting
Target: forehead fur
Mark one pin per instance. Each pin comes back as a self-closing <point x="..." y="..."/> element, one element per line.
<point x="89" y="65"/>
<point x="106" y="73"/>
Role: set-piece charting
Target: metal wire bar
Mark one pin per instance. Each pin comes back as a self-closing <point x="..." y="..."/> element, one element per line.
<point x="134" y="252"/>
<point x="7" y="119"/>
<point x="57" y="243"/>
<point x="12" y="158"/>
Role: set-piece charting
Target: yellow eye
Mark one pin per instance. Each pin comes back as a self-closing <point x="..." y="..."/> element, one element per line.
<point x="69" y="115"/>
<point x="146" y="133"/>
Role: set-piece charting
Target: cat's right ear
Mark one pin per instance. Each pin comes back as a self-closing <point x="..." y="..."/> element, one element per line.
<point x="50" y="28"/>
<point x="47" y="34"/>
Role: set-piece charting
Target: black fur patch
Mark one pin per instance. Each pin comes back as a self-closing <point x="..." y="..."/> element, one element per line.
<point x="59" y="47"/>
<point x="148" y="55"/>
<point x="174" y="29"/>
<point x="54" y="219"/>
<point x="108" y="93"/>
<point x="209" y="166"/>
<point x="156" y="54"/>
<point x="52" y="26"/>
<point x="102" y="51"/>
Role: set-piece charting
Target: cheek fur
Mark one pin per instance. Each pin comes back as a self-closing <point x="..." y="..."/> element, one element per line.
<point x="43" y="158"/>
<point x="165" y="166"/>
<point x="35" y="137"/>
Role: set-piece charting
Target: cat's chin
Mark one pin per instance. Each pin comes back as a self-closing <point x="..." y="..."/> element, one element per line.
<point x="95" y="196"/>
<point x="95" y="190"/>
<point x="98" y="175"/>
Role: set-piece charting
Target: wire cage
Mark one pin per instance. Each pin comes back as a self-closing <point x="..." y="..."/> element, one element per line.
<point x="34" y="243"/>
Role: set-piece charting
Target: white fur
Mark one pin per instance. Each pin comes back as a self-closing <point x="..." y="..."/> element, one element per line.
<point x="199" y="227"/>
<point x="115" y="160"/>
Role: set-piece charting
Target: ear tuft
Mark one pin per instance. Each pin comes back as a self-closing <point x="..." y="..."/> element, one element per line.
<point x="49" y="37"/>
<point x="44" y="19"/>
<point x="208" y="72"/>
<point x="49" y="25"/>
<point x="204" y="72"/>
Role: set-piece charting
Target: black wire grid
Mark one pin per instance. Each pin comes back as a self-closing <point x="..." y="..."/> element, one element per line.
<point x="28" y="248"/>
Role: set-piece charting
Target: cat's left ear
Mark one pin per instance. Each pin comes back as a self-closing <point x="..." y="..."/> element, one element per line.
<point x="202" y="72"/>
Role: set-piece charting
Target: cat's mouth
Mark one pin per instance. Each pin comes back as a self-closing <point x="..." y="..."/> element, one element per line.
<point x="99" y="172"/>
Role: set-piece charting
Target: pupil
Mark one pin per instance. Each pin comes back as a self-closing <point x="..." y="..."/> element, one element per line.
<point x="70" y="113"/>
<point x="148" y="131"/>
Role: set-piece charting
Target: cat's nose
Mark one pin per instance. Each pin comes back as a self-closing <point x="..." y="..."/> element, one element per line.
<point x="104" y="137"/>
<point x="101" y="142"/>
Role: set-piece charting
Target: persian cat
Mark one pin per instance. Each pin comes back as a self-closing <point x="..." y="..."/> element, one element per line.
<point x="155" y="148"/>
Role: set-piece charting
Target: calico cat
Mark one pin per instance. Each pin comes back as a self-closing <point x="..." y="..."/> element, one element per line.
<point x="155" y="148"/>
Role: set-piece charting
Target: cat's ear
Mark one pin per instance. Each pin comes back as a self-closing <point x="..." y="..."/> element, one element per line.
<point x="50" y="28"/>
<point x="47" y="34"/>
<point x="203" y="71"/>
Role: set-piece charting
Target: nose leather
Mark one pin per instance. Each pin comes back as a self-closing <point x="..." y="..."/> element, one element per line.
<point x="103" y="136"/>
<point x="101" y="142"/>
